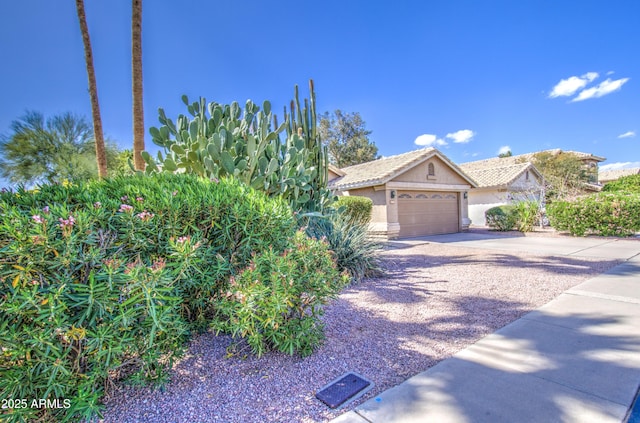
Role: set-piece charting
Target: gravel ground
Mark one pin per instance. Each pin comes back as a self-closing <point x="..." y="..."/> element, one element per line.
<point x="434" y="301"/>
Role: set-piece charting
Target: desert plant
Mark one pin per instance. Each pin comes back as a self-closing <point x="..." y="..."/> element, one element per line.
<point x="501" y="218"/>
<point x="356" y="252"/>
<point x="275" y="303"/>
<point x="223" y="140"/>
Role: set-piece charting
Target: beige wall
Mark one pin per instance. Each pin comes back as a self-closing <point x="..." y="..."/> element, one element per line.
<point x="384" y="216"/>
<point x="482" y="199"/>
<point x="522" y="184"/>
<point x="332" y="175"/>
<point x="443" y="174"/>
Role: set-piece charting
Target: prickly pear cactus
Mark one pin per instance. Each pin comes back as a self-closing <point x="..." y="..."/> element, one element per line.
<point x="224" y="140"/>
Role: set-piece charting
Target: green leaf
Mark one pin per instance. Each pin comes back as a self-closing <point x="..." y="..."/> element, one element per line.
<point x="273" y="166"/>
<point x="242" y="165"/>
<point x="227" y="162"/>
<point x="193" y="129"/>
<point x="155" y="132"/>
<point x="169" y="165"/>
<point x="178" y="149"/>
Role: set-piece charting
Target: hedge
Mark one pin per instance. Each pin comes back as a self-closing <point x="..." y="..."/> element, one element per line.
<point x="357" y="208"/>
<point x="501" y="218"/>
<point x="606" y="214"/>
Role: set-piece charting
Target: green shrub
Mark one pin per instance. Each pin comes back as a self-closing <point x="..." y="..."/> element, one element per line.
<point x="606" y="214"/>
<point x="527" y="213"/>
<point x="354" y="249"/>
<point x="276" y="301"/>
<point x="501" y="218"/>
<point x="629" y="183"/>
<point x="357" y="208"/>
<point x="104" y="280"/>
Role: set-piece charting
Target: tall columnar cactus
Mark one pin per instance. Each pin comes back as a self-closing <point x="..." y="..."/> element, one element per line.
<point x="222" y="140"/>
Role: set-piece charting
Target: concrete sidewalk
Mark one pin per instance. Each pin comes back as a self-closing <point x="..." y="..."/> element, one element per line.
<point x="576" y="359"/>
<point x="564" y="245"/>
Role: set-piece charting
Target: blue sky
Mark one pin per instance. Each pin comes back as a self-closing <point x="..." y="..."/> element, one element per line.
<point x="468" y="77"/>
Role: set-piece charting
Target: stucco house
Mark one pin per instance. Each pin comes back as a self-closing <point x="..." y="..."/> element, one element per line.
<point x="501" y="180"/>
<point x="500" y="185"/>
<point x="605" y="176"/>
<point x="416" y="193"/>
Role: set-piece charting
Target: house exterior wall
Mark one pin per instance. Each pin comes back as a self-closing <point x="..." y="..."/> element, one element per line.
<point x="418" y="178"/>
<point x="332" y="175"/>
<point x="384" y="214"/>
<point x="482" y="199"/>
<point x="443" y="173"/>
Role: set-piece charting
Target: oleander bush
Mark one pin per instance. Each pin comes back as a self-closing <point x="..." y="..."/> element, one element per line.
<point x="105" y="280"/>
<point x="357" y="208"/>
<point x="606" y="214"/>
<point x="276" y="301"/>
<point x="501" y="218"/>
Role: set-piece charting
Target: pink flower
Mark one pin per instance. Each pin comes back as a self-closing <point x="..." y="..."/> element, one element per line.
<point x="45" y="210"/>
<point x="158" y="264"/>
<point x="183" y="239"/>
<point x="139" y="199"/>
<point x="38" y="219"/>
<point x="125" y="208"/>
<point x="124" y="198"/>
<point x="174" y="193"/>
<point x="97" y="205"/>
<point x="66" y="225"/>
<point x="145" y="216"/>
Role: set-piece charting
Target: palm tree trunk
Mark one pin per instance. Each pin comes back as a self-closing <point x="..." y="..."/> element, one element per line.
<point x="136" y="61"/>
<point x="101" y="156"/>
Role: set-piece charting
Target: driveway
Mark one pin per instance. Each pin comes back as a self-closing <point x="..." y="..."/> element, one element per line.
<point x="575" y="359"/>
<point x="535" y="243"/>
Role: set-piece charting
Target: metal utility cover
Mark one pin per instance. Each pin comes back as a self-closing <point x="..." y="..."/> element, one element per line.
<point x="343" y="389"/>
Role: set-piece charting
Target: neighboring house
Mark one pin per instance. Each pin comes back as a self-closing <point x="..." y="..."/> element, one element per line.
<point x="500" y="184"/>
<point x="605" y="176"/>
<point x="416" y="193"/>
<point x="504" y="179"/>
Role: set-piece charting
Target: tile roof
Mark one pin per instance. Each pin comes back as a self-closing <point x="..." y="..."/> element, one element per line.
<point x="612" y="175"/>
<point x="496" y="176"/>
<point x="380" y="171"/>
<point x="522" y="158"/>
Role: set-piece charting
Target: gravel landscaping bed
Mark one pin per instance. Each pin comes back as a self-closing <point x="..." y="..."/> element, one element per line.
<point x="434" y="301"/>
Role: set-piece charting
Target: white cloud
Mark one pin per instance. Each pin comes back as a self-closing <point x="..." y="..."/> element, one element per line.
<point x="429" y="140"/>
<point x="571" y="85"/>
<point x="602" y="89"/>
<point x="461" y="137"/>
<point x="504" y="149"/>
<point x="619" y="165"/>
<point x="628" y="134"/>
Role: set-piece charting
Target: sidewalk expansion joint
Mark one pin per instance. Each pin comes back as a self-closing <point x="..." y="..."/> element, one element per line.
<point x="366" y="419"/>
<point x="581" y="293"/>
<point x="573" y="388"/>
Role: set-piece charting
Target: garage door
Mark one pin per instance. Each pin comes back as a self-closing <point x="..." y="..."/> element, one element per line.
<point x="427" y="213"/>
